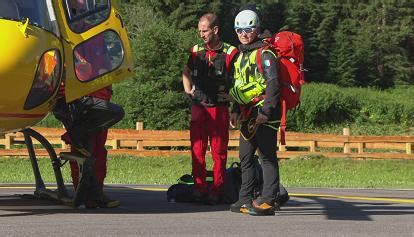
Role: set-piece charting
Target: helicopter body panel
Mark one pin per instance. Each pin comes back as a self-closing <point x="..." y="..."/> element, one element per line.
<point x="36" y="57"/>
<point x="21" y="54"/>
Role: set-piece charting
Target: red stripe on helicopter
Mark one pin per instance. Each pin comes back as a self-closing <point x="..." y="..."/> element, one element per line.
<point x="12" y="115"/>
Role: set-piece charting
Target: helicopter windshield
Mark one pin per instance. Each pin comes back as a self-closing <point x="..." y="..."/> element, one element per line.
<point x="82" y="15"/>
<point x="39" y="13"/>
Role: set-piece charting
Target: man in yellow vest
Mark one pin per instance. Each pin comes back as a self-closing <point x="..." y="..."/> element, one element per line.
<point x="206" y="82"/>
<point x="257" y="108"/>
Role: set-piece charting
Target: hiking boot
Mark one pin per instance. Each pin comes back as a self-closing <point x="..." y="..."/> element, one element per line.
<point x="91" y="204"/>
<point x="261" y="208"/>
<point x="241" y="207"/>
<point x="108" y="203"/>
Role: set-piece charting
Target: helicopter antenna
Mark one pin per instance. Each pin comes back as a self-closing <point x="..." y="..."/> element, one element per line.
<point x="23" y="27"/>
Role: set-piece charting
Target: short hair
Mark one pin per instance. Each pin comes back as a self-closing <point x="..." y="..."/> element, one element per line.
<point x="211" y="18"/>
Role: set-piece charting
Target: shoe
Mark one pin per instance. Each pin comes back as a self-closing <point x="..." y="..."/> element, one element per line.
<point x="108" y="203"/>
<point x="212" y="199"/>
<point x="241" y="207"/>
<point x="260" y="208"/>
<point x="91" y="204"/>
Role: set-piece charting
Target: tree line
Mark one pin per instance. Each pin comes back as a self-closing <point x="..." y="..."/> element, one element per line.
<point x="349" y="44"/>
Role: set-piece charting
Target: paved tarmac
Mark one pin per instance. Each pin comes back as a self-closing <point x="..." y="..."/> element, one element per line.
<point x="145" y="212"/>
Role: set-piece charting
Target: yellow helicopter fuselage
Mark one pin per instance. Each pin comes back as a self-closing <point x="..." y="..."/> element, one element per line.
<point x="40" y="49"/>
<point x="21" y="50"/>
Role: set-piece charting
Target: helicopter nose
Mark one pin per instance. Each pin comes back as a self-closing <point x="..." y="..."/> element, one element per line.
<point x="30" y="63"/>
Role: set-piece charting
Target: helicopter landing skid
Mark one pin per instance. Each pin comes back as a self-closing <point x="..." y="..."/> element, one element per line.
<point x="59" y="195"/>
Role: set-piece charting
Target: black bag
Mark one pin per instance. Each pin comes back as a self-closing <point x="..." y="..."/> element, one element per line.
<point x="183" y="190"/>
<point x="180" y="193"/>
<point x="233" y="182"/>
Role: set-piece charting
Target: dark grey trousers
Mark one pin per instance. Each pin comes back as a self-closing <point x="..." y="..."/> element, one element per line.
<point x="264" y="141"/>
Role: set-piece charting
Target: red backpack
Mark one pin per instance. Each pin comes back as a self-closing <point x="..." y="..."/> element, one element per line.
<point x="289" y="48"/>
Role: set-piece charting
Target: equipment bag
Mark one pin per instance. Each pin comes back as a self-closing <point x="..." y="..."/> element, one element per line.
<point x="289" y="48"/>
<point x="182" y="191"/>
<point x="233" y="183"/>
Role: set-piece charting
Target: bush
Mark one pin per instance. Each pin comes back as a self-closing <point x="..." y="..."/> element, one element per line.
<point x="327" y="107"/>
<point x="155" y="94"/>
<point x="322" y="105"/>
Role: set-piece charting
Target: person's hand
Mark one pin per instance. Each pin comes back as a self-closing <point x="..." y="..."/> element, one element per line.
<point x="234" y="119"/>
<point x="224" y="96"/>
<point x="261" y="118"/>
<point x="190" y="94"/>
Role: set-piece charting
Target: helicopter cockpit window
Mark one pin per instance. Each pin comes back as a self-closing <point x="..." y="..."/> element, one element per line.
<point x="82" y="15"/>
<point x="46" y="81"/>
<point x="39" y="13"/>
<point x="9" y="9"/>
<point x="98" y="55"/>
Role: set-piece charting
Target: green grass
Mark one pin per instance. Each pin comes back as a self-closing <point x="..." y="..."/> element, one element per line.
<point x="298" y="172"/>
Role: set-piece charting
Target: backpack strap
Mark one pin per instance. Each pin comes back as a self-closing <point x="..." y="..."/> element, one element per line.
<point x="282" y="101"/>
<point x="283" y="123"/>
<point x="259" y="60"/>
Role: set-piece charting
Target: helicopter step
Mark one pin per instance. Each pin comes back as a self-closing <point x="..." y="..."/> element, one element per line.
<point x="87" y="185"/>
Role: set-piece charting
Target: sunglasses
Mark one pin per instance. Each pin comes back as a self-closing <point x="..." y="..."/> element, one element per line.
<point x="245" y="30"/>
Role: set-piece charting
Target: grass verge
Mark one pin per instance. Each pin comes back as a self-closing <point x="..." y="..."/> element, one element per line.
<point x="298" y="172"/>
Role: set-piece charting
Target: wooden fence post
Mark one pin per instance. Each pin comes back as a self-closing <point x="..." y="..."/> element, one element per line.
<point x="312" y="146"/>
<point x="279" y="144"/>
<point x="346" y="132"/>
<point x="139" y="126"/>
<point x="8" y="141"/>
<point x="408" y="148"/>
<point x="361" y="147"/>
<point x="63" y="143"/>
<point x="115" y="144"/>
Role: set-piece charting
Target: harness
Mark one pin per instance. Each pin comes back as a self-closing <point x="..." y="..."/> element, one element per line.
<point x="210" y="73"/>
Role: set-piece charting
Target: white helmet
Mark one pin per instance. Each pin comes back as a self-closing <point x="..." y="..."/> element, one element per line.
<point x="245" y="19"/>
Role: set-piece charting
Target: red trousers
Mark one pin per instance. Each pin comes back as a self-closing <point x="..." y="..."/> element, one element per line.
<point x="100" y="155"/>
<point x="209" y="124"/>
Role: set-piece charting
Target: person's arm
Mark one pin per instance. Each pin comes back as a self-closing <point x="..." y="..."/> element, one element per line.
<point x="187" y="82"/>
<point x="234" y="114"/>
<point x="270" y="68"/>
<point x="186" y="76"/>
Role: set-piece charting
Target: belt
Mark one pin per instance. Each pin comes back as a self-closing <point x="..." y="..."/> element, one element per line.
<point x="256" y="100"/>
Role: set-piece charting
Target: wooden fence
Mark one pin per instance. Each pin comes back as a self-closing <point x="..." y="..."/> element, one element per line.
<point x="142" y="142"/>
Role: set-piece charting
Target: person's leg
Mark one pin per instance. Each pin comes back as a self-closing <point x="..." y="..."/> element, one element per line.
<point x="74" y="172"/>
<point x="246" y="154"/>
<point x="247" y="165"/>
<point x="93" y="115"/>
<point x="219" y="127"/>
<point x="266" y="140"/>
<point x="96" y="115"/>
<point x="62" y="112"/>
<point x="100" y="154"/>
<point x="199" y="141"/>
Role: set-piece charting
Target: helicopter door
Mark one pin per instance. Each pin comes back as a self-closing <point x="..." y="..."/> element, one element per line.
<point x="96" y="47"/>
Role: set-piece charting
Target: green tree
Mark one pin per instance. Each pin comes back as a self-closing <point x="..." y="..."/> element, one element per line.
<point x="154" y="95"/>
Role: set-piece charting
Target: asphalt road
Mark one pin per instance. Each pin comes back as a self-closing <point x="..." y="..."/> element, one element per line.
<point x="145" y="212"/>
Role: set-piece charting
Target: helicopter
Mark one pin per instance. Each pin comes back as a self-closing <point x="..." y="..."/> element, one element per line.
<point x="42" y="43"/>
